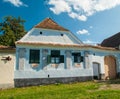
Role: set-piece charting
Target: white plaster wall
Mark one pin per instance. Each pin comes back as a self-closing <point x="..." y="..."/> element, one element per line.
<point x="50" y="36"/>
<point x="54" y="73"/>
<point x="100" y="60"/>
<point x="7" y="68"/>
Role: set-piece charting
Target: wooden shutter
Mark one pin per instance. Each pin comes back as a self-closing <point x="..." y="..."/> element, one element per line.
<point x="48" y="59"/>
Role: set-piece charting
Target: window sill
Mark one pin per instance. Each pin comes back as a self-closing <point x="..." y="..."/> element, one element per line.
<point x="54" y="65"/>
<point x="34" y="65"/>
<point x="77" y="65"/>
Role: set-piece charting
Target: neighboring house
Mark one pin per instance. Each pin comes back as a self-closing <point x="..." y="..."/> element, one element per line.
<point x="49" y="53"/>
<point x="7" y="62"/>
<point x="113" y="41"/>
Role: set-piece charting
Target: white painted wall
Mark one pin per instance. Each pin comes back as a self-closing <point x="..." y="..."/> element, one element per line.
<point x="100" y="60"/>
<point x="54" y="73"/>
<point x="85" y="69"/>
<point x="50" y="36"/>
<point x="7" y="68"/>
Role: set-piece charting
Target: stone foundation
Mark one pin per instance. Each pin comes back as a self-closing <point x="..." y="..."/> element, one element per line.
<point x="44" y="81"/>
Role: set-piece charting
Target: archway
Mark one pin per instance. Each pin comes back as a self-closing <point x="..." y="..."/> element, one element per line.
<point x="110" y="67"/>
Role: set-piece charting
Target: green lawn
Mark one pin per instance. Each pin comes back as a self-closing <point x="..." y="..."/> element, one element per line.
<point x="83" y="90"/>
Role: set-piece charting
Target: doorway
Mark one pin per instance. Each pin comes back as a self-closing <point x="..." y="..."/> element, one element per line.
<point x="96" y="70"/>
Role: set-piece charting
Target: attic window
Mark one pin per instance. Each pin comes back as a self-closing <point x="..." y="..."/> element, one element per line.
<point x="61" y="34"/>
<point x="40" y="32"/>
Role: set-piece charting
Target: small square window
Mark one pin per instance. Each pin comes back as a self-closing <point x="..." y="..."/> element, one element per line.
<point x="61" y="34"/>
<point x="40" y="32"/>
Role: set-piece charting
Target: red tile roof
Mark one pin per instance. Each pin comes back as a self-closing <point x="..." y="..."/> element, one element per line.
<point x="48" y="23"/>
<point x="6" y="47"/>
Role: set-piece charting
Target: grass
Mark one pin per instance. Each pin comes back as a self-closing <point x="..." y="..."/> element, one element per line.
<point x="84" y="90"/>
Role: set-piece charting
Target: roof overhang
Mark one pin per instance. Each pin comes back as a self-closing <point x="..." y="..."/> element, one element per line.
<point x="64" y="45"/>
<point x="7" y="48"/>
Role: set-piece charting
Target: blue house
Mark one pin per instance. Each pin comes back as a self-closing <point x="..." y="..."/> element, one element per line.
<point x="49" y="53"/>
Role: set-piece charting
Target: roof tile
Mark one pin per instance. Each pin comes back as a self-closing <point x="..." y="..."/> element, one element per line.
<point x="48" y="23"/>
<point x="113" y="41"/>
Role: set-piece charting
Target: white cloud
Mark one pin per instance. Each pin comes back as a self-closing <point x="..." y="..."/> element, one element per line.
<point x="83" y="31"/>
<point x="77" y="16"/>
<point x="59" y="6"/>
<point x="16" y="3"/>
<point x="81" y="9"/>
<point x="90" y="42"/>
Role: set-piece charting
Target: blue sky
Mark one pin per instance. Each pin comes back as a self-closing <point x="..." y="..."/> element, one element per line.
<point x="90" y="20"/>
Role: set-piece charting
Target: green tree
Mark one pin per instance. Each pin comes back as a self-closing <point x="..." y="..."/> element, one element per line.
<point x="11" y="29"/>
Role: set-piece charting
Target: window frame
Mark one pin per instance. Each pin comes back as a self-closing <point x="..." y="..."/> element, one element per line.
<point x="77" y="57"/>
<point x="55" y="57"/>
<point x="34" y="56"/>
<point x="55" y="60"/>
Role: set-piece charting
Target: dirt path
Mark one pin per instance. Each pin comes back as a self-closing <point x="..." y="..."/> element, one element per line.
<point x="109" y="86"/>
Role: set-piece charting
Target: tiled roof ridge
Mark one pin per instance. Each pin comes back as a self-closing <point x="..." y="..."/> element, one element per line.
<point x="48" y="23"/>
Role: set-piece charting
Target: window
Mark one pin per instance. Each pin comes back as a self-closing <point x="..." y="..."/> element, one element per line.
<point x="77" y="57"/>
<point x="55" y="53"/>
<point x="61" y="34"/>
<point x="34" y="56"/>
<point x="55" y="57"/>
<point x="40" y="32"/>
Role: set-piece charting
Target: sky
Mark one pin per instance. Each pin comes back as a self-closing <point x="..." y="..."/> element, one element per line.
<point x="91" y="21"/>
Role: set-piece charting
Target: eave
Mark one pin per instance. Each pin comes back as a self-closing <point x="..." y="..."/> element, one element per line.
<point x="64" y="45"/>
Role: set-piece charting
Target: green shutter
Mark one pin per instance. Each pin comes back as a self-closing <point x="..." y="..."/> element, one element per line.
<point x="62" y="59"/>
<point x="82" y="58"/>
<point x="48" y="59"/>
<point x="37" y="56"/>
<point x="75" y="59"/>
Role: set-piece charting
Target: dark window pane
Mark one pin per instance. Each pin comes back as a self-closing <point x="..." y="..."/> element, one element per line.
<point x="55" y="53"/>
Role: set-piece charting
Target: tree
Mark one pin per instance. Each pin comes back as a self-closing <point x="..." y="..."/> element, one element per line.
<point x="11" y="29"/>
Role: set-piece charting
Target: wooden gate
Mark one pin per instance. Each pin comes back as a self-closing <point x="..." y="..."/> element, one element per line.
<point x="110" y="67"/>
